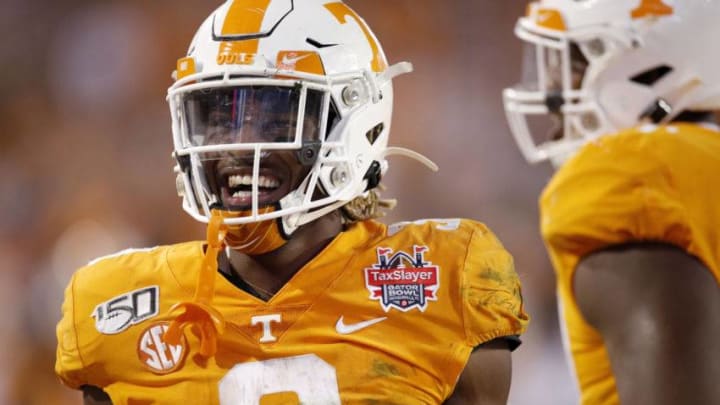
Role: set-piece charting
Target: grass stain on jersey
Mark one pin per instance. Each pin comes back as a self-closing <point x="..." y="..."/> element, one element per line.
<point x="498" y="277"/>
<point x="383" y="369"/>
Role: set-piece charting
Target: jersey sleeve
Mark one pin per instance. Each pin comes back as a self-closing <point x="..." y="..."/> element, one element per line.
<point x="68" y="362"/>
<point x="616" y="190"/>
<point x="492" y="297"/>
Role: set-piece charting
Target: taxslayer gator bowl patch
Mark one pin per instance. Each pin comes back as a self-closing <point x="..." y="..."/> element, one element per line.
<point x="403" y="281"/>
<point x="157" y="355"/>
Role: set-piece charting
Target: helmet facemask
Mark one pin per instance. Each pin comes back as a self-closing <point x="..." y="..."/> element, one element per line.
<point x="251" y="146"/>
<point x="277" y="142"/>
<point x="551" y="112"/>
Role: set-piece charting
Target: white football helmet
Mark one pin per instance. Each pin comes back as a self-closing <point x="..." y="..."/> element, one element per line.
<point x="303" y="78"/>
<point x="599" y="66"/>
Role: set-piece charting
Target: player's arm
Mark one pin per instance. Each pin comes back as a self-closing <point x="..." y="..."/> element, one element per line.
<point x="658" y="311"/>
<point x="486" y="378"/>
<point x="493" y="317"/>
<point x="95" y="396"/>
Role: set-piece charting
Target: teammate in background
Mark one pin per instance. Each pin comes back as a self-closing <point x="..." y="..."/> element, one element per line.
<point x="281" y="113"/>
<point x="632" y="219"/>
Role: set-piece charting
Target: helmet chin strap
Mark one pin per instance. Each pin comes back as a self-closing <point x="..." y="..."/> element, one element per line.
<point x="255" y="238"/>
<point x="199" y="312"/>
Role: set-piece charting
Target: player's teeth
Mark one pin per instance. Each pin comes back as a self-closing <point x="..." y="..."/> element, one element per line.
<point x="243" y="194"/>
<point x="268" y="182"/>
<point x="235" y="180"/>
<point x="240" y="180"/>
<point x="271" y="183"/>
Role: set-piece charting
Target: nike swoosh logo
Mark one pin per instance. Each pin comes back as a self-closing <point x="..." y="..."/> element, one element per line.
<point x="293" y="61"/>
<point x="345" y="329"/>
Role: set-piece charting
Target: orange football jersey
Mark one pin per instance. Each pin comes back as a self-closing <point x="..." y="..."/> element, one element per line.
<point x="383" y="315"/>
<point x="645" y="184"/>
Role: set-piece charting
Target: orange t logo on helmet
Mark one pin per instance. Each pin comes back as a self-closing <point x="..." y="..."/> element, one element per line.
<point x="340" y="11"/>
<point x="243" y="16"/>
<point x="651" y="8"/>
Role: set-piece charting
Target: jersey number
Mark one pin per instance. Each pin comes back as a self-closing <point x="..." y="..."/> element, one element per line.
<point x="299" y="379"/>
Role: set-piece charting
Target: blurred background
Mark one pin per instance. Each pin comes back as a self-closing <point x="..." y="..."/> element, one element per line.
<point x="85" y="165"/>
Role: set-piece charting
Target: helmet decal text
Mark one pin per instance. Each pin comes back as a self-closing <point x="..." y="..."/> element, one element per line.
<point x="243" y="16"/>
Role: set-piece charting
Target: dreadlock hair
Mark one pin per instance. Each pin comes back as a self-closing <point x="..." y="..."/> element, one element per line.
<point x="367" y="206"/>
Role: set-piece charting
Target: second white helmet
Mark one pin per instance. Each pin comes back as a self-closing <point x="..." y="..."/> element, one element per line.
<point x="598" y="66"/>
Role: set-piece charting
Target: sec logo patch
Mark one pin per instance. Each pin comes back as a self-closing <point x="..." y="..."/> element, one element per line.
<point x="157" y="355"/>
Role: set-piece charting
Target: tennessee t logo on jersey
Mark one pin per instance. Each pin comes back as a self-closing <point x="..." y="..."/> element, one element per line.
<point x="401" y="280"/>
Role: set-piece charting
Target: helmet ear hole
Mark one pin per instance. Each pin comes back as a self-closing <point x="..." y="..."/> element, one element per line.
<point x="373" y="134"/>
<point x="651" y="76"/>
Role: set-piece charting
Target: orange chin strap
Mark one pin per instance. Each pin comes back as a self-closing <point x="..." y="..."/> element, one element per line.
<point x="251" y="239"/>
<point x="199" y="312"/>
<point x="255" y="238"/>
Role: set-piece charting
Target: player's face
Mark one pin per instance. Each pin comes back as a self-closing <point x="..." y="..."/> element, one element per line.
<point x="554" y="84"/>
<point x="554" y="68"/>
<point x="265" y="115"/>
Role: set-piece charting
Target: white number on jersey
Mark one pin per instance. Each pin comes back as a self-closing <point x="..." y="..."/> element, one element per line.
<point x="308" y="376"/>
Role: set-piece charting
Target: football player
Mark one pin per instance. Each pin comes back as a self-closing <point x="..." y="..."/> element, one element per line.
<point x="631" y="217"/>
<point x="281" y="112"/>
